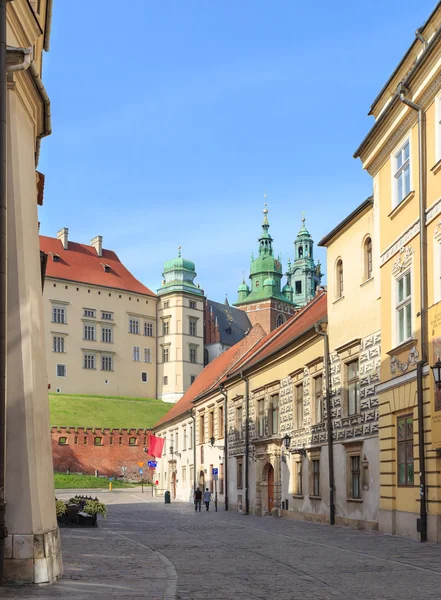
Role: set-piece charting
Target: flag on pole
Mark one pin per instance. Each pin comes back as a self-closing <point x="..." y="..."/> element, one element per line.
<point x="156" y="444"/>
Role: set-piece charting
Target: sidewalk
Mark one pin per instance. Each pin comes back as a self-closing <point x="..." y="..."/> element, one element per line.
<point x="100" y="563"/>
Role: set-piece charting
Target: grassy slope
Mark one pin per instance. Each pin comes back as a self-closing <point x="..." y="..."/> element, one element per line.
<point x="84" y="482"/>
<point x="74" y="410"/>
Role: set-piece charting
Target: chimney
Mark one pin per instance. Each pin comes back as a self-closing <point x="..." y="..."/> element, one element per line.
<point x="63" y="236"/>
<point x="97" y="243"/>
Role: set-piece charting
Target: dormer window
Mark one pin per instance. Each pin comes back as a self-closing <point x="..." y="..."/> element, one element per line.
<point x="55" y="257"/>
<point x="106" y="268"/>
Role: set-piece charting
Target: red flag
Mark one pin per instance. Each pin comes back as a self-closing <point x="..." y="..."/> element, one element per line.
<point x="156" y="444"/>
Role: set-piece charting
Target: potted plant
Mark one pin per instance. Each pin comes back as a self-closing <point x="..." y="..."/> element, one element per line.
<point x="60" y="511"/>
<point x="95" y="508"/>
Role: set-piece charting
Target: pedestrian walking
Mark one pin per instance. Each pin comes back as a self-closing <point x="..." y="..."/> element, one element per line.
<point x="207" y="498"/>
<point x="197" y="499"/>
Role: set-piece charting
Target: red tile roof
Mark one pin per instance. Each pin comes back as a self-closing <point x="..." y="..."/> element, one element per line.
<point x="314" y="311"/>
<point x="213" y="373"/>
<point x="81" y="263"/>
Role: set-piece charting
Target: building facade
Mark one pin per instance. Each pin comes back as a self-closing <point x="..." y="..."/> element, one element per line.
<point x="265" y="301"/>
<point x="402" y="153"/>
<point x="100" y="322"/>
<point x="30" y="543"/>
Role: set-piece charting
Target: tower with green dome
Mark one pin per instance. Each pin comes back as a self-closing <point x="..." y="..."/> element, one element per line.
<point x="304" y="275"/>
<point x="264" y="300"/>
<point x="180" y="329"/>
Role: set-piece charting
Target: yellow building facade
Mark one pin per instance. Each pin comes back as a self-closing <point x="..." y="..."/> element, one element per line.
<point x="402" y="152"/>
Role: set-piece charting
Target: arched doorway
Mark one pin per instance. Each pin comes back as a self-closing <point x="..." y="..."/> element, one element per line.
<point x="174" y="485"/>
<point x="270" y="481"/>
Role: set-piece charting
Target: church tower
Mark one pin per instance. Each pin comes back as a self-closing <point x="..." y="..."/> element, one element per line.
<point x="303" y="275"/>
<point x="264" y="301"/>
<point x="180" y="325"/>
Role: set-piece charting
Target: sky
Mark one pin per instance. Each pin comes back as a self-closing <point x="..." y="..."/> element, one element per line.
<point x="172" y="118"/>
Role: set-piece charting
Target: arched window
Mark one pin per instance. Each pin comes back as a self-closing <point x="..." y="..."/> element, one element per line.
<point x="367" y="258"/>
<point x="280" y="320"/>
<point x="339" y="278"/>
<point x="300" y="251"/>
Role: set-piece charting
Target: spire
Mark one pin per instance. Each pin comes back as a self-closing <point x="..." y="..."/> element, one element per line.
<point x="265" y="240"/>
<point x="226" y="300"/>
<point x="179" y="251"/>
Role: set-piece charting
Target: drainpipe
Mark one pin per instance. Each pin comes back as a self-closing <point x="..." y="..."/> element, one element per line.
<point x="422" y="167"/>
<point x="320" y="330"/>
<point x="247" y="435"/>
<point x="194" y="450"/>
<point x="225" y="395"/>
<point x="3" y="282"/>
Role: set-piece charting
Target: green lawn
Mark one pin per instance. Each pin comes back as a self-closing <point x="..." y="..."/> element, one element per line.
<point x="85" y="482"/>
<point x="76" y="410"/>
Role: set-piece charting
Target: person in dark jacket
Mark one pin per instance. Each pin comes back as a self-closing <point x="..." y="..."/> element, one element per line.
<point x="197" y="499"/>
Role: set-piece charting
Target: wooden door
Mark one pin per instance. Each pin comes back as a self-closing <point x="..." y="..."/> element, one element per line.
<point x="270" y="488"/>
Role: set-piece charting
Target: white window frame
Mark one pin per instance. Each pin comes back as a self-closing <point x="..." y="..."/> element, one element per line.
<point x="438" y="128"/>
<point x="89" y="328"/>
<point x="58" y="345"/>
<point x="107" y="332"/>
<point x="108" y="315"/>
<point x="89" y="312"/>
<point x="136" y="354"/>
<point x="146" y="380"/>
<point x="89" y="361"/>
<point x="59" y="314"/>
<point x="147" y="355"/>
<point x="64" y="367"/>
<point x="193" y="353"/>
<point x="399" y="305"/>
<point x="148" y="329"/>
<point x="134" y="326"/>
<point x="395" y="170"/>
<point x="106" y="361"/>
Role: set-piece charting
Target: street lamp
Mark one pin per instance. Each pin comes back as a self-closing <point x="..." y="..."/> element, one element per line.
<point x="436" y="370"/>
<point x="212" y="440"/>
<point x="287" y="441"/>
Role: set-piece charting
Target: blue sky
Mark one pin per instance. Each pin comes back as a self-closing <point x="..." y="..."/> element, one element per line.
<point x="171" y="119"/>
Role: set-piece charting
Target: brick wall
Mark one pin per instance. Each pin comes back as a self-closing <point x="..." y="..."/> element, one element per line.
<point x="84" y="450"/>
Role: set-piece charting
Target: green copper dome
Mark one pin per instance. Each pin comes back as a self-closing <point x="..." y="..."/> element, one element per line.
<point x="269" y="281"/>
<point x="243" y="287"/>
<point x="178" y="263"/>
<point x="179" y="275"/>
<point x="287" y="288"/>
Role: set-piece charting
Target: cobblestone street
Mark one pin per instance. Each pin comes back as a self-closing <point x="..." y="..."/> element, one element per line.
<point x="146" y="549"/>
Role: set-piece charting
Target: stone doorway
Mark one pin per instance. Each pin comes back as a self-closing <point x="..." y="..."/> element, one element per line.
<point x="270" y="484"/>
<point x="174" y="485"/>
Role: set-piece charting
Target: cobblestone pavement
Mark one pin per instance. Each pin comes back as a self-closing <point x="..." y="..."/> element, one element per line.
<point x="149" y="550"/>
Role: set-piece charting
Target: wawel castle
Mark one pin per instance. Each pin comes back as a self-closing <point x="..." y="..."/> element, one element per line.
<point x="108" y="334"/>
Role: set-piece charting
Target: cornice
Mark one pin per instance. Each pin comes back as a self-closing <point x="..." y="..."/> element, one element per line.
<point x="25" y="27"/>
<point x="400" y="242"/>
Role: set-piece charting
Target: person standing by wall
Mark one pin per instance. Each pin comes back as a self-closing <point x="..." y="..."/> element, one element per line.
<point x="197" y="499"/>
<point x="207" y="498"/>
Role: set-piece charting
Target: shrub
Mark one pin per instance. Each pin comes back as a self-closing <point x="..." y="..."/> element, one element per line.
<point x="60" y="508"/>
<point x="95" y="507"/>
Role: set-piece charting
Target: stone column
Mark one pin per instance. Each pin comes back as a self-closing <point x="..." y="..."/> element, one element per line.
<point x="33" y="552"/>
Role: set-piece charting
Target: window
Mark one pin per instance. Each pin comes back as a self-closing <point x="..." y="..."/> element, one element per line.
<point x="405" y="450"/>
<point x="401" y="172"/>
<point x="165" y="327"/>
<point x="192" y="327"/>
<point x="89" y="361"/>
<point x="165" y="380"/>
<point x="192" y="304"/>
<point x="58" y="314"/>
<point x="89" y="312"/>
<point x="318" y="398"/>
<point x="184" y="438"/>
<point x="148" y="329"/>
<point x="404" y="308"/>
<point x="353" y="384"/>
<point x="299" y="479"/>
<point x="316" y="477"/>
<point x="239" y="473"/>
<point x="220" y="422"/>
<point x="299" y="406"/>
<point x="106" y="335"/>
<point x="144" y="377"/>
<point x="275" y="415"/>
<point x="280" y="320"/>
<point x="211" y="479"/>
<point x="438" y="128"/>
<point x="239" y="421"/>
<point x="221" y="479"/>
<point x="106" y="316"/>
<point x="298" y="287"/>
<point x="192" y="378"/>
<point x="89" y="332"/>
<point x="190" y="438"/>
<point x="134" y="326"/>
<point x="147" y="355"/>
<point x="355" y="490"/>
<point x="202" y="429"/>
<point x="339" y="274"/>
<point x="184" y="475"/>
<point x="107" y="363"/>
<point x="166" y="304"/>
<point x="165" y="355"/>
<point x="58" y="344"/>
<point x="192" y="355"/>
<point x="368" y="258"/>
<point x="98" y="441"/>
<point x="261" y="418"/>
<point x="62" y="441"/>
<point x="61" y="370"/>
<point x="136" y="353"/>
<point x="211" y="423"/>
<point x="132" y="441"/>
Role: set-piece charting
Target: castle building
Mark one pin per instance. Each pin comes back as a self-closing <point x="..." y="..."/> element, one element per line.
<point x="266" y="302"/>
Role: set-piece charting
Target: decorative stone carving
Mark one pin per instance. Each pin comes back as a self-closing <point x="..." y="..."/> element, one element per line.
<point x="400" y="242"/>
<point x="397" y="366"/>
<point x="403" y="261"/>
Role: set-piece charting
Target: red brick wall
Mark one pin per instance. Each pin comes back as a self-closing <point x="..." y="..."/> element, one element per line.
<point x="266" y="313"/>
<point x="107" y="458"/>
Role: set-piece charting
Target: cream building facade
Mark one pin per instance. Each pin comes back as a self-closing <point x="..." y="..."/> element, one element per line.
<point x="31" y="551"/>
<point x="100" y="322"/>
